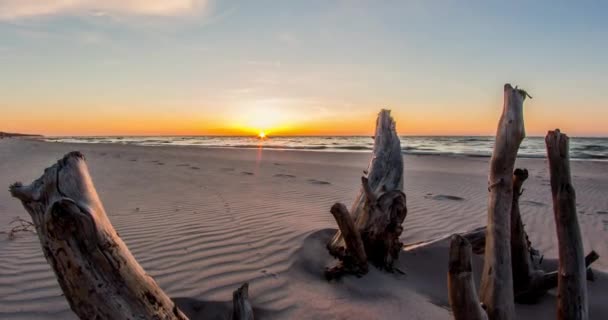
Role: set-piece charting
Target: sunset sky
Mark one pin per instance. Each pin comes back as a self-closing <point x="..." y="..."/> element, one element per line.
<point x="179" y="67"/>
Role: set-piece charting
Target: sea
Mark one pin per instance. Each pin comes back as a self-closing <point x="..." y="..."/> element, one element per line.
<point x="581" y="148"/>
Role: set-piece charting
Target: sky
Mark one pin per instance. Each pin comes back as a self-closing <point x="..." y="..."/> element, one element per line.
<point x="211" y="67"/>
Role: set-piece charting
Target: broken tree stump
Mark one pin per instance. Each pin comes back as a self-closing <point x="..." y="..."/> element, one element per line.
<point x="241" y="308"/>
<point x="97" y="273"/>
<point x="461" y="287"/>
<point x="496" y="290"/>
<point x="379" y="208"/>
<point x="572" y="302"/>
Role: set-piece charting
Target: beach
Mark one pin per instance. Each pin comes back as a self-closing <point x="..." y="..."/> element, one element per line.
<point x="201" y="221"/>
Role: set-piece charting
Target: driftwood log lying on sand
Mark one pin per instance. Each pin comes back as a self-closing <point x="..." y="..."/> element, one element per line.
<point x="374" y="221"/>
<point x="572" y="285"/>
<point x="99" y="276"/>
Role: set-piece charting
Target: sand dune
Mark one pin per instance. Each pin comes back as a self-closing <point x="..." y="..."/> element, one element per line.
<point x="202" y="221"/>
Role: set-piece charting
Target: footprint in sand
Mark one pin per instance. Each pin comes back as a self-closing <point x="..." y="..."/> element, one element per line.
<point x="533" y="203"/>
<point x="601" y="212"/>
<point x="160" y="163"/>
<point x="315" y="181"/>
<point x="194" y="168"/>
<point x="246" y="173"/>
<point x="133" y="160"/>
<point x="444" y="197"/>
<point x="283" y="175"/>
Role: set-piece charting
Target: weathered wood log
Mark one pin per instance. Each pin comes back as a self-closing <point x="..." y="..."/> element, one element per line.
<point x="497" y="279"/>
<point x="383" y="226"/>
<point x="550" y="279"/>
<point x="529" y="283"/>
<point x="461" y="287"/>
<point x="572" y="300"/>
<point x="520" y="252"/>
<point x="353" y="259"/>
<point x="384" y="172"/>
<point x="379" y="210"/>
<point x="97" y="273"/>
<point x="241" y="307"/>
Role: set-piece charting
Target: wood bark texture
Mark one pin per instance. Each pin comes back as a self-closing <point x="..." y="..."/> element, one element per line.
<point x="96" y="271"/>
<point x="461" y="287"/>
<point x="497" y="279"/>
<point x="572" y="300"/>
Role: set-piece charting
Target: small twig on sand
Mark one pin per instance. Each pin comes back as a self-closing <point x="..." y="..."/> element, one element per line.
<point x="20" y="225"/>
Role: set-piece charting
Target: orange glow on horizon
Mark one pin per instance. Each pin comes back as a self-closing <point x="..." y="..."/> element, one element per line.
<point x="254" y="120"/>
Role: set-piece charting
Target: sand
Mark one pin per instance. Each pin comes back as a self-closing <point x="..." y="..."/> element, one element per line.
<point x="202" y="221"/>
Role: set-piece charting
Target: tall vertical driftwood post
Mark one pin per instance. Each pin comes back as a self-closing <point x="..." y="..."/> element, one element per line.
<point x="378" y="211"/>
<point x="461" y="287"/>
<point x="99" y="276"/>
<point x="572" y="285"/>
<point x="497" y="279"/>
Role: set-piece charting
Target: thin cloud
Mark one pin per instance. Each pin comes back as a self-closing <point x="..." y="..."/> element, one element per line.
<point x="288" y="38"/>
<point x="18" y="9"/>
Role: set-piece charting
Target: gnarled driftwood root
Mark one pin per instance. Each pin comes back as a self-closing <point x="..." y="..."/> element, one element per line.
<point x="378" y="211"/>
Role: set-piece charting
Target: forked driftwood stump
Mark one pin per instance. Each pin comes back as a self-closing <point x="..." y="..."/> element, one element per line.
<point x="99" y="276"/>
<point x="370" y="232"/>
<point x="496" y="290"/>
<point x="572" y="303"/>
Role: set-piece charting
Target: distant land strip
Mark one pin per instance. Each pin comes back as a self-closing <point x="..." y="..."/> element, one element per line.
<point x="11" y="135"/>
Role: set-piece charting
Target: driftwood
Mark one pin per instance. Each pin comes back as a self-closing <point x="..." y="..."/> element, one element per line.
<point x="461" y="287"/>
<point x="572" y="300"/>
<point x="378" y="210"/>
<point x="354" y="259"/>
<point x="241" y="308"/>
<point x="529" y="283"/>
<point x="496" y="290"/>
<point x="99" y="276"/>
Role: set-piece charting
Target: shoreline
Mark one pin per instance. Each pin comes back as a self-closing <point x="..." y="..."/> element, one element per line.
<point x="317" y="150"/>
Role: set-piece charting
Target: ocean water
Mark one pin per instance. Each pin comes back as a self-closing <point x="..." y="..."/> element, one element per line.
<point x="532" y="147"/>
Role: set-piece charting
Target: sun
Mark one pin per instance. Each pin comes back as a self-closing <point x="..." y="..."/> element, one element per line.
<point x="262" y="135"/>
